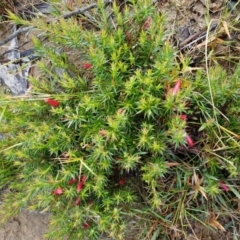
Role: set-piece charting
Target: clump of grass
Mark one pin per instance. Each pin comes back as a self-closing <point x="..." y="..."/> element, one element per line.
<point x="122" y="133"/>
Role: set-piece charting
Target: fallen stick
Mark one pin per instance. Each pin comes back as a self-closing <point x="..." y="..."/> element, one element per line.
<point x="15" y="34"/>
<point x="196" y="37"/>
<point x="65" y="16"/>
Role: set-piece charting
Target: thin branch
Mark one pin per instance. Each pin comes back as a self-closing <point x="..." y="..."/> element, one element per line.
<point x="196" y="37"/>
<point x="15" y="34"/>
<point x="65" y="16"/>
<point x="82" y="10"/>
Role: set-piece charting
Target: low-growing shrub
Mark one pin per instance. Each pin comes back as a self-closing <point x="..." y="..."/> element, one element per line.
<point x="115" y="129"/>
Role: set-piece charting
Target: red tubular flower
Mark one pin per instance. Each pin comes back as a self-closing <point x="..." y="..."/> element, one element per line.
<point x="87" y="65"/>
<point x="83" y="179"/>
<point x="77" y="201"/>
<point x="176" y="87"/>
<point x="173" y="90"/>
<point x="80" y="186"/>
<point x="224" y="186"/>
<point x="72" y="181"/>
<point x="189" y="141"/>
<point x="58" y="191"/>
<point x="52" y="102"/>
<point x="147" y="23"/>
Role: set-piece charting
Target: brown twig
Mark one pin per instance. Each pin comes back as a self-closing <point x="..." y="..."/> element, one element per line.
<point x="190" y="38"/>
<point x="82" y="10"/>
<point x="15" y="34"/>
<point x="65" y="16"/>
<point x="195" y="37"/>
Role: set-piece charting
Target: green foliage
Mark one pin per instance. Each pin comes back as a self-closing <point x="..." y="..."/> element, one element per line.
<point x="113" y="129"/>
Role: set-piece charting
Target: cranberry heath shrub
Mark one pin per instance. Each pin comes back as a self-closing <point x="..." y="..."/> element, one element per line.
<point x="113" y="130"/>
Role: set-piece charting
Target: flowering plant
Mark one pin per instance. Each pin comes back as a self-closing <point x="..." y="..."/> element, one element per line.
<point x="128" y="134"/>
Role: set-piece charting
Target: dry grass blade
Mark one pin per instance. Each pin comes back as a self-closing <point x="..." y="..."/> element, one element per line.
<point x="172" y="164"/>
<point x="225" y="25"/>
<point x="212" y="220"/>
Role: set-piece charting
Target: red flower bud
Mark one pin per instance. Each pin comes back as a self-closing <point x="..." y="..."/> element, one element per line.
<point x="183" y="117"/>
<point x="120" y="111"/>
<point x="87" y="65"/>
<point x="224" y="186"/>
<point x="52" y="102"/>
<point x="121" y="182"/>
<point x="58" y="191"/>
<point x="79" y="187"/>
<point x="147" y="23"/>
<point x="86" y="225"/>
<point x="189" y="141"/>
<point x="176" y="87"/>
<point x="103" y="132"/>
<point x="77" y="201"/>
<point x="72" y="181"/>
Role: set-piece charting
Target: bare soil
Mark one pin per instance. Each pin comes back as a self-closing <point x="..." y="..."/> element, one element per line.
<point x="26" y="226"/>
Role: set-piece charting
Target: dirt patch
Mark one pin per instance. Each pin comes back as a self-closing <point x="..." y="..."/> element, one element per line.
<point x="26" y="226"/>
